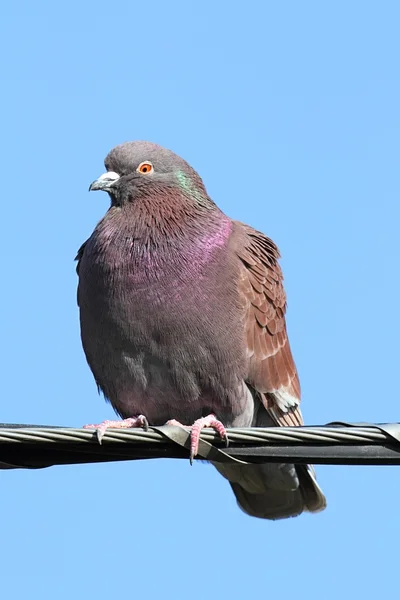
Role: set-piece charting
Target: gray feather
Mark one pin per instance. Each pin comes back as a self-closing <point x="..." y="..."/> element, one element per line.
<point x="182" y="315"/>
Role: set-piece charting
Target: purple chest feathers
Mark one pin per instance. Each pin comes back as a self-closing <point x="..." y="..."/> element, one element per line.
<point x="153" y="324"/>
<point x="156" y="258"/>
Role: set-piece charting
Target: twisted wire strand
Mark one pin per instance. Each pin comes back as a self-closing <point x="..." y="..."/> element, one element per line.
<point x="266" y="435"/>
<point x="337" y="443"/>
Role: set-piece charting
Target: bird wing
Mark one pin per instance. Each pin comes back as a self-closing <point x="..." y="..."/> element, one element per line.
<point x="79" y="255"/>
<point x="272" y="372"/>
<point x="78" y="258"/>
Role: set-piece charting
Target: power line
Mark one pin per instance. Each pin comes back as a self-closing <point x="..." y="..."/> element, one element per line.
<point x="30" y="446"/>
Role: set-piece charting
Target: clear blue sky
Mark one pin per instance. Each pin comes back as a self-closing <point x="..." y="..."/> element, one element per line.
<point x="290" y="112"/>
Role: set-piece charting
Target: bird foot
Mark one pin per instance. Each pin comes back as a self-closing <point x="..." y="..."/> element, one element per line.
<point x="139" y="421"/>
<point x="209" y="421"/>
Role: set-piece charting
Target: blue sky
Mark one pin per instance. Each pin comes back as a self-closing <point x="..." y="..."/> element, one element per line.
<point x="290" y="112"/>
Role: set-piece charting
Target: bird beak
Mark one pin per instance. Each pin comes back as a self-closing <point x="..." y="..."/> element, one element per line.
<point x="104" y="182"/>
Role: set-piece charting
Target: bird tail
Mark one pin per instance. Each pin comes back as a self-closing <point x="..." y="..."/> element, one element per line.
<point x="274" y="491"/>
<point x="282" y="503"/>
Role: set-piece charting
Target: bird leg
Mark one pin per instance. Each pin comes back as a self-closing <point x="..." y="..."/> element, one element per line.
<point x="139" y="421"/>
<point x="209" y="421"/>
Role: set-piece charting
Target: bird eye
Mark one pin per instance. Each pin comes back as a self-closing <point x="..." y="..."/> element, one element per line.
<point x="145" y="167"/>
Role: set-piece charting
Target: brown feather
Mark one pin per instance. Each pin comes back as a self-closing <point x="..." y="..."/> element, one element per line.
<point x="271" y="365"/>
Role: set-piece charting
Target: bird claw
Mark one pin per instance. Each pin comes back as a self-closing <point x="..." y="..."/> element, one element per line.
<point x="195" y="429"/>
<point x="101" y="428"/>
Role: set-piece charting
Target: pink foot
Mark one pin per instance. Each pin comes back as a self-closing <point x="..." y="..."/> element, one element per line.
<point x="209" y="421"/>
<point x="139" y="421"/>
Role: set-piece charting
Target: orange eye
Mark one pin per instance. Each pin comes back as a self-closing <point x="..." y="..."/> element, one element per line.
<point x="145" y="168"/>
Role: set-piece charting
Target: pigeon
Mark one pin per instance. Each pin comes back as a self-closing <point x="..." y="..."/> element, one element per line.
<point x="182" y="317"/>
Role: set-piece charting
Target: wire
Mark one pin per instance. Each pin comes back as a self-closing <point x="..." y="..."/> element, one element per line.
<point x="29" y="446"/>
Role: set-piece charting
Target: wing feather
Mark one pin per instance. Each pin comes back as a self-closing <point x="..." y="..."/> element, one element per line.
<point x="272" y="371"/>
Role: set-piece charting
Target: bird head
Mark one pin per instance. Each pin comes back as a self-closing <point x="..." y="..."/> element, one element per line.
<point x="135" y="169"/>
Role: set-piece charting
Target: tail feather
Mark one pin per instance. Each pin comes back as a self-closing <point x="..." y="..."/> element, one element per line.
<point x="314" y="499"/>
<point x="273" y="490"/>
<point x="272" y="504"/>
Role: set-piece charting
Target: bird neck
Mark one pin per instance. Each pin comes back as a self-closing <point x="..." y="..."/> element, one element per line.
<point x="165" y="228"/>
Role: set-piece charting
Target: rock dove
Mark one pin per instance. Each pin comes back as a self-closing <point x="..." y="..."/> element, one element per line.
<point x="182" y="315"/>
